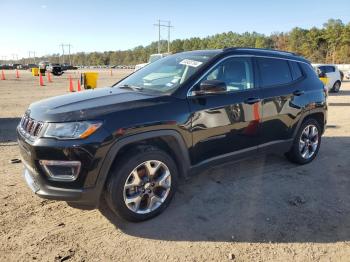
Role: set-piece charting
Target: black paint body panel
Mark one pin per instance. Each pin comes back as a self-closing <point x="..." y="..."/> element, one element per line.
<point x="204" y="129"/>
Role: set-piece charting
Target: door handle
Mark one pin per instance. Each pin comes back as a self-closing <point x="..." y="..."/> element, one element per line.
<point x="298" y="92"/>
<point x="252" y="100"/>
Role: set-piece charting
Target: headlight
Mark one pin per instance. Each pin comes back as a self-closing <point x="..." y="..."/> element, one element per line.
<point x="71" y="130"/>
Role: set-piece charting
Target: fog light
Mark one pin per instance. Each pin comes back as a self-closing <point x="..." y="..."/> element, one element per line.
<point x="61" y="170"/>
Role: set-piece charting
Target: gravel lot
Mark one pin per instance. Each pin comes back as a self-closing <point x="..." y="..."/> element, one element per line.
<point x="262" y="209"/>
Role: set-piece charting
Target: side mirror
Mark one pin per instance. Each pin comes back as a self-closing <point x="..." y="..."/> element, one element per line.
<point x="211" y="87"/>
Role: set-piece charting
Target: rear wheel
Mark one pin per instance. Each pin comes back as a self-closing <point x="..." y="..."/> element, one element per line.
<point x="141" y="184"/>
<point x="336" y="87"/>
<point x="306" y="143"/>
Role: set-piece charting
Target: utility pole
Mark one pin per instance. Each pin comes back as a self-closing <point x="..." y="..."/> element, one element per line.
<point x="14" y="57"/>
<point x="159" y="25"/>
<point x="3" y="58"/>
<point x="62" y="45"/>
<point x="69" y="46"/>
<point x="70" y="61"/>
<point x="169" y="36"/>
<point x="32" y="52"/>
<point x="158" y="35"/>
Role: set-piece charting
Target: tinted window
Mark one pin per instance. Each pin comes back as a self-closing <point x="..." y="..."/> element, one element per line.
<point x="327" y="69"/>
<point x="296" y="70"/>
<point x="236" y="72"/>
<point x="274" y="71"/>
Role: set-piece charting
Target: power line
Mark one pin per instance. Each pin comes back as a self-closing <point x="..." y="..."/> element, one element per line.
<point x="167" y="25"/>
<point x="32" y="52"/>
<point x="3" y="59"/>
<point x="69" y="57"/>
<point x="14" y="57"/>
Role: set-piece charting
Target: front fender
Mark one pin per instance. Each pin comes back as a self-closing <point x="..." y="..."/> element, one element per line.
<point x="119" y="144"/>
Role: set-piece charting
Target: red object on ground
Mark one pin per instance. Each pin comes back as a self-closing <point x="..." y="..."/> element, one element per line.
<point x="3" y="75"/>
<point x="71" y="88"/>
<point x="79" y="87"/>
<point x="41" y="80"/>
<point x="17" y="73"/>
<point x="49" y="77"/>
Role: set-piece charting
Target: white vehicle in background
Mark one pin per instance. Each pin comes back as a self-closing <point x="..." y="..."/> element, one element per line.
<point x="332" y="73"/>
<point x="347" y="75"/>
<point x="152" y="58"/>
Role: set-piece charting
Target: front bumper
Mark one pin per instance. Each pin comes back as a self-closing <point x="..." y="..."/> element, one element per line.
<point x="83" y="192"/>
<point x="40" y="188"/>
<point x="81" y="198"/>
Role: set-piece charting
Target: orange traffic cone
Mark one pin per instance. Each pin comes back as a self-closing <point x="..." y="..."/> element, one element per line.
<point x="71" y="88"/>
<point x="79" y="87"/>
<point x="49" y="77"/>
<point x="17" y="73"/>
<point x="41" y="80"/>
<point x="3" y="75"/>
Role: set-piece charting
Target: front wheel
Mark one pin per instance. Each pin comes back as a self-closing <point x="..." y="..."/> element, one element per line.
<point x="141" y="184"/>
<point x="306" y="143"/>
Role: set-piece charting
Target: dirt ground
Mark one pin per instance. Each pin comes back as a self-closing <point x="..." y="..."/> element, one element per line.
<point x="262" y="209"/>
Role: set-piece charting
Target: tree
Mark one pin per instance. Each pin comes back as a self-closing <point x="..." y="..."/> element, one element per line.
<point x="330" y="44"/>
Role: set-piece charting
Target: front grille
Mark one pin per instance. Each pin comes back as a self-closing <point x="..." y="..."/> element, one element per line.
<point x="30" y="126"/>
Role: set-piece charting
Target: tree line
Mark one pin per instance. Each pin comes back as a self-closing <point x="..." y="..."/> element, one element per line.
<point x="329" y="44"/>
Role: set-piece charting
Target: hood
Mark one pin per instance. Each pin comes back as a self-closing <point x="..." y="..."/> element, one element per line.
<point x="87" y="105"/>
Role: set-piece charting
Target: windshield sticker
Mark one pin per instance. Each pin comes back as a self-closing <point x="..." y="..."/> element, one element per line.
<point x="190" y="62"/>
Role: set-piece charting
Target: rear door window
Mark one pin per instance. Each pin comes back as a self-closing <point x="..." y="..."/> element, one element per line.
<point x="274" y="71"/>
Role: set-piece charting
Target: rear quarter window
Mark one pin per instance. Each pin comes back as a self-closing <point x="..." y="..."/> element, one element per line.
<point x="296" y="70"/>
<point x="274" y="71"/>
<point x="327" y="69"/>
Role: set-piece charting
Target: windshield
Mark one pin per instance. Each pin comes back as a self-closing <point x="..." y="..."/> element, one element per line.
<point x="167" y="74"/>
<point x="154" y="58"/>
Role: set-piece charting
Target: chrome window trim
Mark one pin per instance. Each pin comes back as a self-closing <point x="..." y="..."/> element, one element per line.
<point x="189" y="94"/>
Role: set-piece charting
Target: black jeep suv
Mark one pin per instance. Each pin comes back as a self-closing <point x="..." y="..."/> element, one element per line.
<point x="129" y="143"/>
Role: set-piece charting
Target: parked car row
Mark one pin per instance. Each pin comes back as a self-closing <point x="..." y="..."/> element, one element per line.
<point x="11" y="66"/>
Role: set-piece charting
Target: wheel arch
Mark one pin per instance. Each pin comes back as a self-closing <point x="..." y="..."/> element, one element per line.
<point x="168" y="140"/>
<point x="318" y="115"/>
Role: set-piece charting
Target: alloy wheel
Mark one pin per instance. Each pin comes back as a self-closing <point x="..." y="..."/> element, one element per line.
<point x="308" y="142"/>
<point x="147" y="187"/>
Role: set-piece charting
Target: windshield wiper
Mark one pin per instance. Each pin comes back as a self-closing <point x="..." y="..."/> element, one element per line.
<point x="134" y="88"/>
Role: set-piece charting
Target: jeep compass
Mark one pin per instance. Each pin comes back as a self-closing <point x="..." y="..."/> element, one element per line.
<point x="130" y="143"/>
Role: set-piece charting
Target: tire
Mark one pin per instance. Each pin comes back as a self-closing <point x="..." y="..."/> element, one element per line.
<point x="122" y="177"/>
<point x="298" y="155"/>
<point x="336" y="87"/>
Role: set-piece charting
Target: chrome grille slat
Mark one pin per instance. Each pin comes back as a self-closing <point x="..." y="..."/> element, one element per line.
<point x="30" y="126"/>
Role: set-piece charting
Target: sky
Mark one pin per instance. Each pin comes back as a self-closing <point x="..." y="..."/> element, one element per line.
<point x="42" y="25"/>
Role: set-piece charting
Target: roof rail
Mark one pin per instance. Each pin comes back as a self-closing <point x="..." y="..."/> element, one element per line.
<point x="260" y="49"/>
